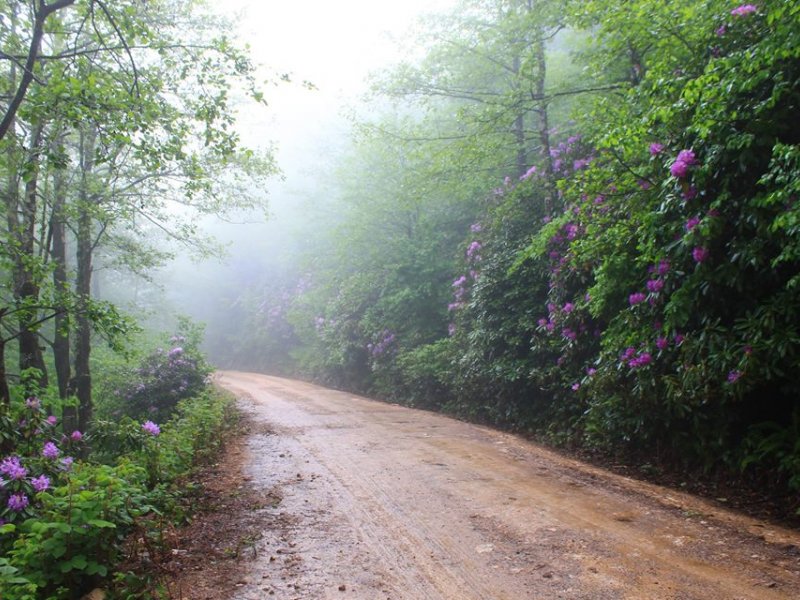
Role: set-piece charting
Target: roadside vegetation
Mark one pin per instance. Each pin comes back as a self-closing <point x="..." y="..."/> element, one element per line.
<point x="91" y="509"/>
<point x="116" y="137"/>
<point x="577" y="220"/>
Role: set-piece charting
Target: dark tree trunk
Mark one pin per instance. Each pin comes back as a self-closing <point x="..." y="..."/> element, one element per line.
<point x="58" y="255"/>
<point x="83" y="282"/>
<point x="5" y="394"/>
<point x="519" y="126"/>
<point x="26" y="285"/>
<point x="544" y="123"/>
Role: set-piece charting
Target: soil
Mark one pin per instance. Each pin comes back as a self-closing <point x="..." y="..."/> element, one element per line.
<point x="329" y="495"/>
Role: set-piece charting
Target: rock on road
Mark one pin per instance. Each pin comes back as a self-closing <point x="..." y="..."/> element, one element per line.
<point x="385" y="502"/>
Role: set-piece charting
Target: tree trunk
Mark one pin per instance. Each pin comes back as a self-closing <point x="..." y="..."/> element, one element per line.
<point x="58" y="255"/>
<point x="544" y="124"/>
<point x="519" y="125"/>
<point x="83" y="282"/>
<point x="26" y="284"/>
<point x="5" y="394"/>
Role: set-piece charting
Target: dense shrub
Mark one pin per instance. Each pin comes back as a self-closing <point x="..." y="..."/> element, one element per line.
<point x="164" y="377"/>
<point x="65" y="519"/>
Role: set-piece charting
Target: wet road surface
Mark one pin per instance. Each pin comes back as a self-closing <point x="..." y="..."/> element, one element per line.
<point x="385" y="502"/>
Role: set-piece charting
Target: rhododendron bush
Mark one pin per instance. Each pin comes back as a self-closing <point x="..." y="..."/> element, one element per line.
<point x="590" y="236"/>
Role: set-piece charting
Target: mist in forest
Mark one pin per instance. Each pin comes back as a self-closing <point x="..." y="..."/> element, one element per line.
<point x="573" y="219"/>
<point x="315" y="73"/>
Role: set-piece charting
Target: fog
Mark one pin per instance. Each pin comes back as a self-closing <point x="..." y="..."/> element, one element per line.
<point x="326" y="51"/>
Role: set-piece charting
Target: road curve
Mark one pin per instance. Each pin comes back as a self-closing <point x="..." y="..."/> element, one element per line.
<point x="385" y="502"/>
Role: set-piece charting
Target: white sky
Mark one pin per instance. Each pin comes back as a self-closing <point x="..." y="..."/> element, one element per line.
<point x="332" y="43"/>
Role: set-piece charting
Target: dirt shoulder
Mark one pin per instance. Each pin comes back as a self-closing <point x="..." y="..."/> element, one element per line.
<point x="334" y="496"/>
<point x="211" y="556"/>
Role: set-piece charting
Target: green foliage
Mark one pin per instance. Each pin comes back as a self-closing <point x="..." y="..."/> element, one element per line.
<point x="161" y="381"/>
<point x="633" y="288"/>
<point x="72" y="532"/>
<point x="79" y="528"/>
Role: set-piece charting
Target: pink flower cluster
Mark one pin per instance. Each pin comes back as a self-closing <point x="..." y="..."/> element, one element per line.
<point x="636" y="359"/>
<point x="743" y="10"/>
<point x="685" y="160"/>
<point x="151" y="428"/>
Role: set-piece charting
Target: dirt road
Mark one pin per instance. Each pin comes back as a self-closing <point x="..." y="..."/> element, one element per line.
<point x="385" y="502"/>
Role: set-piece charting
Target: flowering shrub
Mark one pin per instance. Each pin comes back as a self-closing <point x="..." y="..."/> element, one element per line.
<point x="64" y="521"/>
<point x="164" y="378"/>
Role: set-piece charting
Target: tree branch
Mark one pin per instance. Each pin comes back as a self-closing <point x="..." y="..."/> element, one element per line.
<point x="39" y="17"/>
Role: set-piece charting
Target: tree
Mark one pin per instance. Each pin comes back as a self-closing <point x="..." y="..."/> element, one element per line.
<point x="124" y="133"/>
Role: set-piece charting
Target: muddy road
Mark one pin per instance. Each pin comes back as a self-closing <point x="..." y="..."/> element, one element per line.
<point x="384" y="502"/>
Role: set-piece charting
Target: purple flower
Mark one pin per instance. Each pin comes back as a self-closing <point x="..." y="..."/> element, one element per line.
<point x="18" y="502"/>
<point x="451" y="329"/>
<point x="476" y="228"/>
<point x="656" y="148"/>
<point x="721" y="30"/>
<point x="40" y="483"/>
<point x="576" y="386"/>
<point x="66" y="463"/>
<point x="692" y="223"/>
<point x="655" y="285"/>
<point x="12" y="467"/>
<point x="572" y="231"/>
<point x="643" y="359"/>
<point x="581" y="163"/>
<point x="50" y="450"/>
<point x="636" y="298"/>
<point x="177" y="351"/>
<point x="661" y="342"/>
<point x="743" y="10"/>
<point x="690" y="193"/>
<point x="569" y="307"/>
<point x="543" y="322"/>
<point x="472" y="251"/>
<point x="630" y="351"/>
<point x="679" y="169"/>
<point x="679" y="337"/>
<point x="644" y="184"/>
<point x="33" y="403"/>
<point x="685" y="160"/>
<point x="528" y="174"/>
<point x="734" y="376"/>
<point x="687" y="156"/>
<point x="460" y="281"/>
<point x="748" y="349"/>
<point x="569" y="334"/>
<point x="151" y="428"/>
<point x="591" y="371"/>
<point x="76" y="436"/>
<point x="700" y="254"/>
<point x="51" y="420"/>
